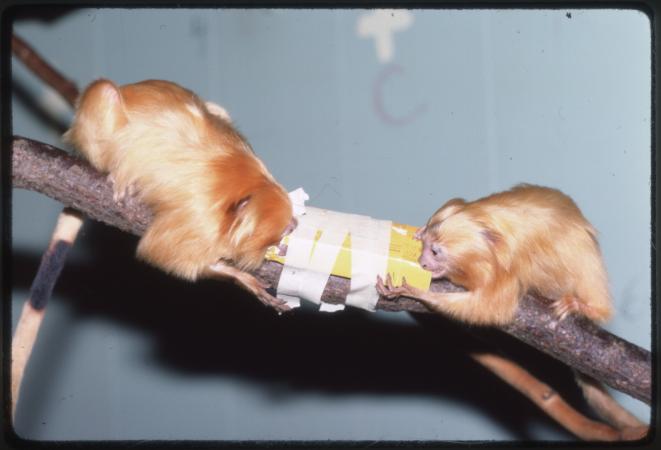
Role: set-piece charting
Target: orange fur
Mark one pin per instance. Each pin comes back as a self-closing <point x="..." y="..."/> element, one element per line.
<point x="212" y="198"/>
<point x="527" y="239"/>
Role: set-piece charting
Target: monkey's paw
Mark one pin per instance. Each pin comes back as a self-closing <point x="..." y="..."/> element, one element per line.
<point x="565" y="305"/>
<point x="389" y="291"/>
<point x="248" y="282"/>
<point x="258" y="288"/>
<point x="120" y="194"/>
<point x="279" y="305"/>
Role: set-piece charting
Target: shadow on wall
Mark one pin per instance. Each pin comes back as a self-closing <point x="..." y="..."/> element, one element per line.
<point x="214" y="328"/>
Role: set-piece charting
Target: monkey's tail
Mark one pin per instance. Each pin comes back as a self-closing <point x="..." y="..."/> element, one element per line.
<point x="621" y="425"/>
<point x="52" y="262"/>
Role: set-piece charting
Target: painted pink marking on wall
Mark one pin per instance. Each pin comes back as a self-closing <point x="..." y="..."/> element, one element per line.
<point x="377" y="99"/>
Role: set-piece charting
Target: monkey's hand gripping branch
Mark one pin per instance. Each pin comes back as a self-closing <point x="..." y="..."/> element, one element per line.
<point x="248" y="282"/>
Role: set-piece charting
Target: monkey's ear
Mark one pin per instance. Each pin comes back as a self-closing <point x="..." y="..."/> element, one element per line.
<point x="107" y="96"/>
<point x="243" y="223"/>
<point x="450" y="208"/>
<point x="491" y="236"/>
<point x="102" y="104"/>
<point x="240" y="205"/>
<point x="455" y="203"/>
<point x="419" y="232"/>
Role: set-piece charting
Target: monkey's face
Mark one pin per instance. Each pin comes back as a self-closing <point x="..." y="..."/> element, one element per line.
<point x="261" y="220"/>
<point x="453" y="247"/>
<point x="437" y="239"/>
<point x="434" y="257"/>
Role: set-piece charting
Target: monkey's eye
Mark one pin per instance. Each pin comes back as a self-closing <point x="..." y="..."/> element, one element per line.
<point x="436" y="251"/>
<point x="238" y="206"/>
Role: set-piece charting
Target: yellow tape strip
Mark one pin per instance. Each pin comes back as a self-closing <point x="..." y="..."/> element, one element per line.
<point x="402" y="257"/>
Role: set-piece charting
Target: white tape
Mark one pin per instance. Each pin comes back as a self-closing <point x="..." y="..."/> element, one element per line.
<point x="293" y="274"/>
<point x="331" y="307"/>
<point x="298" y="198"/>
<point x="370" y="242"/>
<point x="308" y="265"/>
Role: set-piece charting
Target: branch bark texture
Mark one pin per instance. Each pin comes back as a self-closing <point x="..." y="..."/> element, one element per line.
<point x="575" y="341"/>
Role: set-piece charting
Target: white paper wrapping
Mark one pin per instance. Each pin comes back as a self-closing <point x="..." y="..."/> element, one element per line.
<point x="308" y="264"/>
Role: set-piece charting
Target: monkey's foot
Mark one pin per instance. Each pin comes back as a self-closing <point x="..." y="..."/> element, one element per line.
<point x="251" y="284"/>
<point x="118" y="194"/>
<point x="565" y="305"/>
<point x="267" y="299"/>
<point x="389" y="291"/>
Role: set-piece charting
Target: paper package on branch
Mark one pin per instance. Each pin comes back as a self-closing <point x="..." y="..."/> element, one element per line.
<point x="346" y="245"/>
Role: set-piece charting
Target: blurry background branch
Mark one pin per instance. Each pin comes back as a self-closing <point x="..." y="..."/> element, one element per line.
<point x="48" y="74"/>
<point x="63" y="238"/>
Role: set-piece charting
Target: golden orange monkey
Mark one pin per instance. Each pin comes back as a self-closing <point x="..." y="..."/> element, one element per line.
<point x="527" y="239"/>
<point x="213" y="200"/>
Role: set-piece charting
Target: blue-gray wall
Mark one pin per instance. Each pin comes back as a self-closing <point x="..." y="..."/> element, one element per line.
<point x="471" y="102"/>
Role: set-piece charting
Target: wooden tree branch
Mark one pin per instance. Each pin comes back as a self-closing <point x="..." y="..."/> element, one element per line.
<point x="575" y="341"/>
